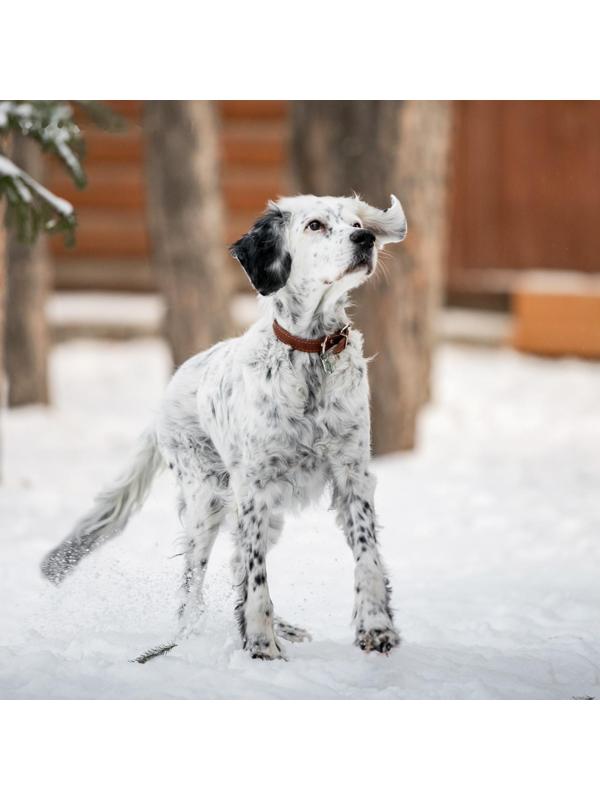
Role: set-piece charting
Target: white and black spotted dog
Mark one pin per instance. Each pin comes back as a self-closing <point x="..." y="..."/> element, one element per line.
<point x="261" y="424"/>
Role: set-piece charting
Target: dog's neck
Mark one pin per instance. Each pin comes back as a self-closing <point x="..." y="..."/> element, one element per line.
<point x="311" y="320"/>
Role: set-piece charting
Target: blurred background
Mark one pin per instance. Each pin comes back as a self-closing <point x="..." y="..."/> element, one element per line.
<point x="501" y="197"/>
<point x="484" y="325"/>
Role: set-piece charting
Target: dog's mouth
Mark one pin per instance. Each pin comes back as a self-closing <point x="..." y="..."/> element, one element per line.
<point x="357" y="266"/>
<point x="362" y="263"/>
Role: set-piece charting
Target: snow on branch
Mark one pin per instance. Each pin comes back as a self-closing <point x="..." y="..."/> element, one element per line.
<point x="52" y="125"/>
<point x="30" y="205"/>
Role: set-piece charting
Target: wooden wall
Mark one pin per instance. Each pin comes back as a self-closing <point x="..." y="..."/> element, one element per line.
<point x="111" y="251"/>
<point x="525" y="191"/>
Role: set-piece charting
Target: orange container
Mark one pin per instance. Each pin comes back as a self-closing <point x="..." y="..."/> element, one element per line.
<point x="557" y="314"/>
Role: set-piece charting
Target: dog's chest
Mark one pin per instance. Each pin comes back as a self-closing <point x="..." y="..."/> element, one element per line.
<point x="282" y="418"/>
<point x="315" y="410"/>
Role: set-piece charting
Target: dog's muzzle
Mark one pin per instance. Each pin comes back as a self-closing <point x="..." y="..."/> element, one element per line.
<point x="363" y="238"/>
<point x="363" y="255"/>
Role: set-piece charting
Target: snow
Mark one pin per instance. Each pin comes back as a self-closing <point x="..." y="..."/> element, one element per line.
<point x="468" y="326"/>
<point x="490" y="529"/>
<point x="8" y="168"/>
<point x="548" y="282"/>
<point x="105" y="308"/>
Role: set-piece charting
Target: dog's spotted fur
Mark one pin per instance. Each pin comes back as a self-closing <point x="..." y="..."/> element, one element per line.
<point x="251" y="428"/>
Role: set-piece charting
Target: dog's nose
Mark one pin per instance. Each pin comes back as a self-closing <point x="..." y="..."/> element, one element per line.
<point x="363" y="237"/>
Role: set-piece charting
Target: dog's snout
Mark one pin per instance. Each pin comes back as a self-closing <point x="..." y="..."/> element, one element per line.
<point x="362" y="237"/>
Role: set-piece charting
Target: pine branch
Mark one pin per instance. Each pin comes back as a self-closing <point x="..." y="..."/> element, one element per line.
<point x="103" y="116"/>
<point x="31" y="207"/>
<point x="52" y="125"/>
<point x="153" y="653"/>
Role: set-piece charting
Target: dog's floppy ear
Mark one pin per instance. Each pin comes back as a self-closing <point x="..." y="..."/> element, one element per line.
<point x="262" y="253"/>
<point x="388" y="225"/>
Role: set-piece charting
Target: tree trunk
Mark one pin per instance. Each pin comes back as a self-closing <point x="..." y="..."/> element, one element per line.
<point x="2" y="321"/>
<point x="377" y="148"/>
<point x="27" y="279"/>
<point x="185" y="220"/>
<point x="2" y="301"/>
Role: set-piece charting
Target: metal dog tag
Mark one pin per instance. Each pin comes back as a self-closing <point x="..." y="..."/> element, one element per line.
<point x="327" y="362"/>
<point x="328" y="354"/>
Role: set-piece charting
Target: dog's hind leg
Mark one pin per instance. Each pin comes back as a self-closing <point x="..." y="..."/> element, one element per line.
<point x="202" y="511"/>
<point x="202" y="515"/>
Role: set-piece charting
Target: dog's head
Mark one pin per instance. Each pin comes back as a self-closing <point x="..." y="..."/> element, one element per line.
<point x="317" y="245"/>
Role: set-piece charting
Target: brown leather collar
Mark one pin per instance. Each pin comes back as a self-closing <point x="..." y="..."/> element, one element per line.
<point x="332" y="344"/>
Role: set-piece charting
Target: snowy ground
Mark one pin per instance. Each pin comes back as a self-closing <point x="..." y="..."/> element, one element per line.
<point x="491" y="532"/>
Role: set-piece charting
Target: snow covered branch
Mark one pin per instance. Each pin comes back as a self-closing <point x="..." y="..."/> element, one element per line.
<point x="30" y="206"/>
<point x="52" y="125"/>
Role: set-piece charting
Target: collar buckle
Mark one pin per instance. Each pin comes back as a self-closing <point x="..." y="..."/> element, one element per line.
<point x="326" y="347"/>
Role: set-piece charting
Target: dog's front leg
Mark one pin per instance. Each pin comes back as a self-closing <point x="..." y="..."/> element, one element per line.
<point x="254" y="609"/>
<point x="353" y="501"/>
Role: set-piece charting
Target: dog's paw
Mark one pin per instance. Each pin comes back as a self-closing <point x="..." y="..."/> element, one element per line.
<point x="192" y="618"/>
<point x="291" y="632"/>
<point x="381" y="640"/>
<point x="265" y="649"/>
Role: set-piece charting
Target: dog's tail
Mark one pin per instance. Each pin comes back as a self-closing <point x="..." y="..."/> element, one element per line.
<point x="111" y="511"/>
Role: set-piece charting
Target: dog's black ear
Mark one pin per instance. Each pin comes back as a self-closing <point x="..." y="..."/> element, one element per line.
<point x="262" y="253"/>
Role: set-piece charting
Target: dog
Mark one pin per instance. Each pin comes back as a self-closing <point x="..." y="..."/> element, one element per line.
<point x="260" y="424"/>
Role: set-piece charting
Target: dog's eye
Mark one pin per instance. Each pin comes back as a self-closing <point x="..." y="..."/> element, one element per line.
<point x="357" y="225"/>
<point x="314" y="225"/>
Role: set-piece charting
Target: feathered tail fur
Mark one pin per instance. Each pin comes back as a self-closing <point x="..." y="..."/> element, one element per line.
<point x="111" y="511"/>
